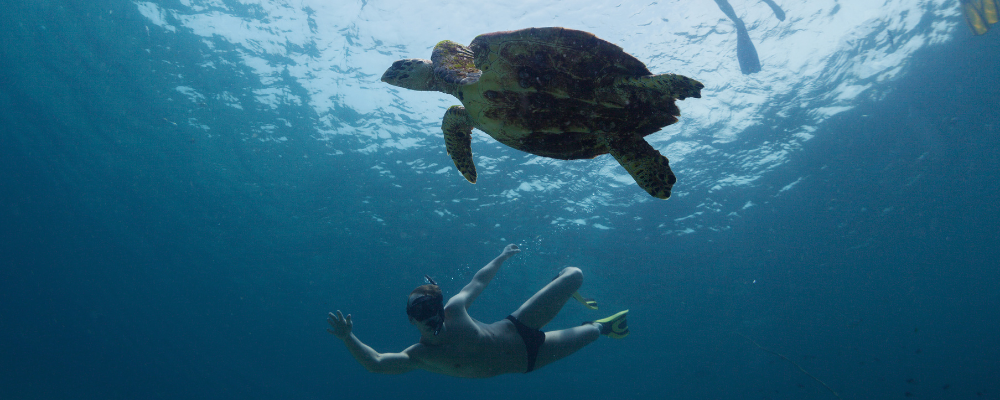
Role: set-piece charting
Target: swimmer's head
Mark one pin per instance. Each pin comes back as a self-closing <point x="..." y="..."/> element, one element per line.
<point x="426" y="305"/>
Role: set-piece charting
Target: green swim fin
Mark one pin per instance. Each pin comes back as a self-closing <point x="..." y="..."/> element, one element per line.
<point x="615" y="326"/>
<point x="590" y="303"/>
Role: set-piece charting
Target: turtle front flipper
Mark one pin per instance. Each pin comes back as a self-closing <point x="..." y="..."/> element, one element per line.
<point x="677" y="86"/>
<point x="647" y="166"/>
<point x="458" y="140"/>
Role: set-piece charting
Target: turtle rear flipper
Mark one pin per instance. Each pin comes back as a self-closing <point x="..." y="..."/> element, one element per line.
<point x="677" y="86"/>
<point x="648" y="167"/>
<point x="458" y="140"/>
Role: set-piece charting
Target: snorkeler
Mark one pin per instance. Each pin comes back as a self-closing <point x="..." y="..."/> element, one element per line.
<point x="453" y="343"/>
<point x="746" y="53"/>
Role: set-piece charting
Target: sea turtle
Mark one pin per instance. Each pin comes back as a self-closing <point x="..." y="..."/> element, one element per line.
<point x="553" y="92"/>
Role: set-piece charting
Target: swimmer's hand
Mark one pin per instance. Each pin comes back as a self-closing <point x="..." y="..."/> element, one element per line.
<point x="341" y="325"/>
<point x="509" y="251"/>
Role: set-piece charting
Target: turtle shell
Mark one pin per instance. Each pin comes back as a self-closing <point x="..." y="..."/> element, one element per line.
<point x="577" y="53"/>
<point x="553" y="92"/>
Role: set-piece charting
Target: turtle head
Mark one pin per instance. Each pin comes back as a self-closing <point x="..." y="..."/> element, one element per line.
<point x="411" y="73"/>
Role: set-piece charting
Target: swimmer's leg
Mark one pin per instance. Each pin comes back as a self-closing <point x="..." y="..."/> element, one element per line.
<point x="559" y="344"/>
<point x="541" y="308"/>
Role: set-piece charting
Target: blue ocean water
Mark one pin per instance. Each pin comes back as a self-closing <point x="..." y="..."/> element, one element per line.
<point x="157" y="247"/>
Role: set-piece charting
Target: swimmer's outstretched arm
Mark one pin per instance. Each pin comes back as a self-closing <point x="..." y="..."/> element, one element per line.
<point x="483" y="278"/>
<point x="383" y="363"/>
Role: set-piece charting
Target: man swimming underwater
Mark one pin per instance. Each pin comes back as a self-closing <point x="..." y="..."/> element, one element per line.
<point x="453" y="343"/>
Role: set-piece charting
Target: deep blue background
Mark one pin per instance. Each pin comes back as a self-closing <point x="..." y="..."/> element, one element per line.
<point x="144" y="260"/>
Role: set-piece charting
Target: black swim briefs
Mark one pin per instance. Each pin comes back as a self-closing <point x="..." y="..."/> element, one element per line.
<point x="533" y="339"/>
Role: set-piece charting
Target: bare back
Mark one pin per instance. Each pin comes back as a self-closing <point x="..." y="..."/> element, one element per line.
<point x="468" y="348"/>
